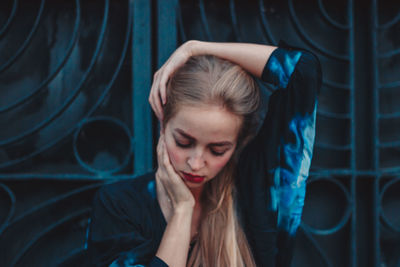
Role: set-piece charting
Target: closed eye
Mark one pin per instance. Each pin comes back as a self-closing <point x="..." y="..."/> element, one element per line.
<point x="217" y="153"/>
<point x="183" y="144"/>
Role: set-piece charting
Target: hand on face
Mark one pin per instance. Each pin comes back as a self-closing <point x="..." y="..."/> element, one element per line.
<point x="169" y="183"/>
<point x="160" y="79"/>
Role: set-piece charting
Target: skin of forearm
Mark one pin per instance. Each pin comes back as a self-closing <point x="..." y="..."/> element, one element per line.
<point x="251" y="57"/>
<point x="174" y="246"/>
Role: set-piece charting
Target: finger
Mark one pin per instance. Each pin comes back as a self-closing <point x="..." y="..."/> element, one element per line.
<point x="156" y="106"/>
<point x="165" y="176"/>
<point x="161" y="187"/>
<point x="153" y="86"/>
<point x="164" y="155"/>
<point x="167" y="164"/>
<point x="160" y="152"/>
<point x="166" y="74"/>
<point x="159" y="108"/>
<point x="156" y="98"/>
<point x="151" y="104"/>
<point x="163" y="89"/>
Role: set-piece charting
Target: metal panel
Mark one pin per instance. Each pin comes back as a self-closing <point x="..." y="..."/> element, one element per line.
<point x="75" y="76"/>
<point x="74" y="79"/>
<point x="142" y="76"/>
<point x="386" y="84"/>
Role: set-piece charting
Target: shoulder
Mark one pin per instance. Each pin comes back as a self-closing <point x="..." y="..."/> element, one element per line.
<point x="122" y="194"/>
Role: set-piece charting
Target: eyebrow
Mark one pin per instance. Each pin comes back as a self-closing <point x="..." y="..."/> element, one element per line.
<point x="184" y="134"/>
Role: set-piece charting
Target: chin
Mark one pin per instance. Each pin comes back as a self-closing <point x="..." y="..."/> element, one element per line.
<point x="192" y="185"/>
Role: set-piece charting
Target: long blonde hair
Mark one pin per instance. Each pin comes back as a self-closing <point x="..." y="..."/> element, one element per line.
<point x="213" y="81"/>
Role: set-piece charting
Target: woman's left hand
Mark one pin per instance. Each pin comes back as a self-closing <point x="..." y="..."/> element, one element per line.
<point x="158" y="96"/>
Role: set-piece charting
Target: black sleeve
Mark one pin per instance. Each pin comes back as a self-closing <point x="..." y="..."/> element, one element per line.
<point x="273" y="168"/>
<point x="115" y="236"/>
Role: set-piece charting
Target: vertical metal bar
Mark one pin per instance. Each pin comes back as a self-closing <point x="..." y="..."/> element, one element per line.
<point x="141" y="83"/>
<point x="166" y="29"/>
<point x="353" y="247"/>
<point x="375" y="108"/>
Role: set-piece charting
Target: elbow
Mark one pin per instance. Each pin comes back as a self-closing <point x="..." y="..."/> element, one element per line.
<point x="312" y="72"/>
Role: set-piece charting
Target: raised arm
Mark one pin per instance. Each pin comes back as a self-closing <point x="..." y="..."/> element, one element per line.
<point x="279" y="157"/>
<point x="251" y="57"/>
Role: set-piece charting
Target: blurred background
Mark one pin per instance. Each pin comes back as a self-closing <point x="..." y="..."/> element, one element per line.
<point x="74" y="82"/>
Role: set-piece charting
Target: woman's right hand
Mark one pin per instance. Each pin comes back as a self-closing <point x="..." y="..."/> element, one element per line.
<point x="158" y="92"/>
<point x="174" y="245"/>
<point x="170" y="186"/>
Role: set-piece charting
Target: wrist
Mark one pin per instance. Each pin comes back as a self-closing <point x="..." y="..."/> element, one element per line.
<point x="194" y="48"/>
<point x="184" y="208"/>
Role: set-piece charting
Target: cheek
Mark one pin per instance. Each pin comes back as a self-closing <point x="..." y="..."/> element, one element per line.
<point x="220" y="163"/>
<point x="176" y="156"/>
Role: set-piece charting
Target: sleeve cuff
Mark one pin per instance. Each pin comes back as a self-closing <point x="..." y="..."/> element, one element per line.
<point x="157" y="262"/>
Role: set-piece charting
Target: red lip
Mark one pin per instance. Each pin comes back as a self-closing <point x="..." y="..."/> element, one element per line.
<point x="193" y="178"/>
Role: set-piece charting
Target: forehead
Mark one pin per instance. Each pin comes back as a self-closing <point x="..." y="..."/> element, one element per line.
<point x="207" y="123"/>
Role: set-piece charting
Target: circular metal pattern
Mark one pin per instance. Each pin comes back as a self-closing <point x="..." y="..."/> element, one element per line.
<point x="10" y="18"/>
<point x="390" y="203"/>
<point x="328" y="198"/>
<point x="23" y="47"/>
<point x="57" y="69"/>
<point x="70" y="97"/>
<point x="11" y="205"/>
<point x="57" y="228"/>
<point x="62" y="110"/>
<point x="103" y="145"/>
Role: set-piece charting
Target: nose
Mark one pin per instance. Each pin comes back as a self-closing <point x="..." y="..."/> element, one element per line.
<point x="196" y="161"/>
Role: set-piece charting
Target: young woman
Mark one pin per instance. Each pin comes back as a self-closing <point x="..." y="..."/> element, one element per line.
<point x="217" y="199"/>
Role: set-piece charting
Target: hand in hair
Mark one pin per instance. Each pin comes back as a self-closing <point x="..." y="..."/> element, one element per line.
<point x="158" y="96"/>
<point x="251" y="57"/>
<point x="170" y="186"/>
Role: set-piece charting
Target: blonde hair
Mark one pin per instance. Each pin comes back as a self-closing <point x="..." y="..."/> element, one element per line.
<point x="207" y="80"/>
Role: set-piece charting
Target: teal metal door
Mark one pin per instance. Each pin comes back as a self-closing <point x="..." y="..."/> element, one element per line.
<point x="74" y="83"/>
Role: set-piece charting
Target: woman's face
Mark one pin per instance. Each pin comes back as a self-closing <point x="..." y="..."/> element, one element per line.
<point x="200" y="140"/>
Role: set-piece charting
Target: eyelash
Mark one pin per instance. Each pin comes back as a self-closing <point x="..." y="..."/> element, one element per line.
<point x="183" y="145"/>
<point x="215" y="153"/>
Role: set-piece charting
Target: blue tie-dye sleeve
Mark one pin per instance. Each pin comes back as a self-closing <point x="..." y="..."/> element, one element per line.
<point x="274" y="167"/>
<point x="297" y="73"/>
